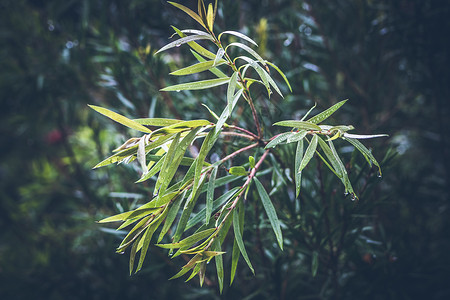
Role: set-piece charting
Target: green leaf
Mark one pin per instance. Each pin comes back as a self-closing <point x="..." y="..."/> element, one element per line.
<point x="252" y="162"/>
<point x="308" y="112"/>
<point x="178" y="127"/>
<point x="211" y="112"/>
<point x="345" y="180"/>
<point x="184" y="40"/>
<point x="238" y="226"/>
<point x="191" y="264"/>
<point x="210" y="194"/>
<point x="197" y="85"/>
<point x="249" y="50"/>
<point x="219" y="56"/>
<point x="298" y="160"/>
<point x="189" y="241"/>
<point x="230" y="91"/>
<point x="219" y="264"/>
<point x="157" y="121"/>
<point x="270" y="211"/>
<point x="298" y="136"/>
<point x="278" y="139"/>
<point x="365" y="152"/>
<point x="239" y="35"/>
<point x="327" y="113"/>
<point x="171" y="215"/>
<point x="281" y="73"/>
<point x="238" y="171"/>
<point x="226" y="112"/>
<point x="199" y="67"/>
<point x="155" y="169"/>
<point x="196" y="47"/>
<point x="141" y="154"/>
<point x="204" y="150"/>
<point x="234" y="260"/>
<point x="120" y="119"/>
<point x="308" y="153"/>
<point x="148" y="237"/>
<point x="132" y="256"/>
<point x="216" y="204"/>
<point x="299" y="124"/>
<point x="210" y="17"/>
<point x="214" y="70"/>
<point x="120" y="156"/>
<point x="133" y="214"/>
<point x="168" y="158"/>
<point x="191" y="13"/>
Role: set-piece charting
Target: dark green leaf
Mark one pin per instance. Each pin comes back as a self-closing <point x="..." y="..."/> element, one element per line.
<point x="270" y="211"/>
<point x="325" y="114"/>
<point x="309" y="153"/>
<point x="298" y="160"/>
<point x="238" y="225"/>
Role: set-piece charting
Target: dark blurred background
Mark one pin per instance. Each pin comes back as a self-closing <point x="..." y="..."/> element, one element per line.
<point x="391" y="58"/>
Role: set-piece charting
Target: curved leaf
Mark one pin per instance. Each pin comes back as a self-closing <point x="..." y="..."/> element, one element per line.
<point x="308" y="153"/>
<point x="197" y="85"/>
<point x="120" y="119"/>
<point x="239" y="35"/>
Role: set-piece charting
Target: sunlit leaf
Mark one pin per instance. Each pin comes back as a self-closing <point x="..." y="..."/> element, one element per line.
<point x="237" y="171"/>
<point x="363" y="136"/>
<point x="120" y="119"/>
<point x="138" y="213"/>
<point x="197" y="85"/>
<point x="196" y="47"/>
<point x="230" y="91"/>
<point x="327" y="113"/>
<point x="249" y="50"/>
<point x="157" y="121"/>
<point x="191" y="13"/>
<point x="199" y="67"/>
<point x="252" y="162"/>
<point x="141" y="155"/>
<point x="214" y="70"/>
<point x="270" y="211"/>
<point x="210" y="16"/>
<point x="189" y="240"/>
<point x="295" y="137"/>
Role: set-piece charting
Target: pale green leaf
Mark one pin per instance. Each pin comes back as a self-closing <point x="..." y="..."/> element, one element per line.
<point x="327" y="113"/>
<point x="237" y="171"/>
<point x="270" y="211"/>
<point x="249" y="50"/>
<point x="120" y="119"/>
<point x="214" y="70"/>
<point x="299" y="124"/>
<point x="297" y="136"/>
<point x="184" y="40"/>
<point x="210" y="194"/>
<point x="278" y="139"/>
<point x="196" y="47"/>
<point x="252" y="162"/>
<point x="308" y="153"/>
<point x="189" y="241"/>
<point x="157" y="121"/>
<point x="199" y="67"/>
<point x="230" y="91"/>
<point x="197" y="85"/>
<point x="239" y="35"/>
<point x="363" y="136"/>
<point x="298" y="160"/>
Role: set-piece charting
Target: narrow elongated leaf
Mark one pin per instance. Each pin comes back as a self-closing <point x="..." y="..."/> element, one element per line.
<point x="204" y="150"/>
<point x="210" y="194"/>
<point x="171" y="215"/>
<point x="298" y="160"/>
<point x="308" y="112"/>
<point x="299" y="124"/>
<point x="157" y="121"/>
<point x="234" y="260"/>
<point x="219" y="56"/>
<point x="191" y="264"/>
<point x="152" y="172"/>
<point x="191" y="13"/>
<point x="164" y="169"/>
<point x="219" y="264"/>
<point x="363" y="136"/>
<point x="230" y="91"/>
<point x="270" y="211"/>
<point x="239" y="35"/>
<point x="133" y="255"/>
<point x="214" y="70"/>
<point x="327" y="113"/>
<point x="184" y="40"/>
<point x="120" y="156"/>
<point x="238" y="223"/>
<point x="345" y="180"/>
<point x="308" y="153"/>
<point x="249" y="50"/>
<point x="197" y="85"/>
<point x="182" y="126"/>
<point x="199" y="67"/>
<point x="189" y="240"/>
<point x="211" y="112"/>
<point x="298" y="136"/>
<point x="281" y="73"/>
<point x="314" y="263"/>
<point x="226" y="112"/>
<point x="120" y="119"/>
<point x="216" y="204"/>
<point x="138" y="213"/>
<point x="148" y="237"/>
<point x="365" y="152"/>
<point x="141" y="155"/>
<point x="196" y="47"/>
<point x="278" y="139"/>
<point x="210" y="16"/>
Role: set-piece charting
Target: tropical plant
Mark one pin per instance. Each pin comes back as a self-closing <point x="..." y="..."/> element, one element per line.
<point x="201" y="228"/>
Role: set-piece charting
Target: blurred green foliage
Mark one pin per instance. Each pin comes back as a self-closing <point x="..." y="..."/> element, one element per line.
<point x="390" y="58"/>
